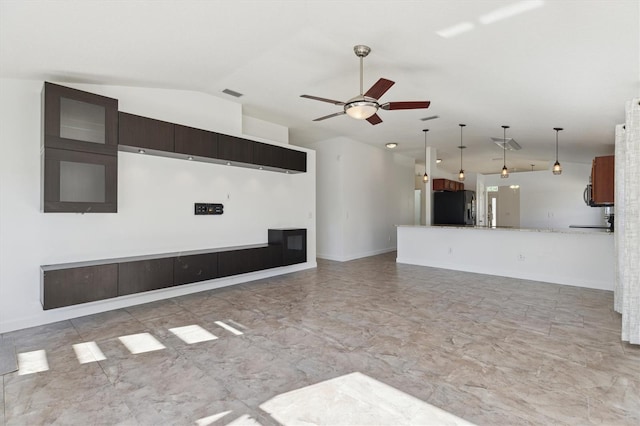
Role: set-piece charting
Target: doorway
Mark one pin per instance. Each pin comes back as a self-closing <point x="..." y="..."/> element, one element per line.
<point x="503" y="206"/>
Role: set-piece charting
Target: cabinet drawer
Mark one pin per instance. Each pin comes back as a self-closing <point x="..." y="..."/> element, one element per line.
<point x="145" y="275"/>
<point x="65" y="287"/>
<point x="237" y="262"/>
<point x="143" y="132"/>
<point x="191" y="269"/>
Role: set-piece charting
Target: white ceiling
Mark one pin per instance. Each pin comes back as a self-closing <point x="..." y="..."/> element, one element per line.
<point x="570" y="64"/>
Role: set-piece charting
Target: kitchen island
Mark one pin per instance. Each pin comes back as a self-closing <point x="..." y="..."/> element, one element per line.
<point x="577" y="257"/>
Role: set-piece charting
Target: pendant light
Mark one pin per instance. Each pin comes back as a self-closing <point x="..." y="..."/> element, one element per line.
<point x="425" y="178"/>
<point x="557" y="168"/>
<point x="505" y="172"/>
<point x="461" y="172"/>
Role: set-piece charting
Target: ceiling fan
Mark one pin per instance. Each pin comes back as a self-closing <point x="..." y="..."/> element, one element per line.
<point x="365" y="106"/>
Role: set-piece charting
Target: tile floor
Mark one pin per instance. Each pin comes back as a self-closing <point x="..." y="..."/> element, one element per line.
<point x="489" y="350"/>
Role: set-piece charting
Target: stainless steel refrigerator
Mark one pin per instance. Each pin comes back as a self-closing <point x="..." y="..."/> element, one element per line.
<point x="454" y="208"/>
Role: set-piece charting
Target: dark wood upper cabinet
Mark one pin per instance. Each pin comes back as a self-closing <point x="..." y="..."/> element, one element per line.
<point x="79" y="182"/>
<point x="144" y="275"/>
<point x="270" y="155"/>
<point x="194" y="268"/>
<point x="143" y="132"/>
<point x="233" y="149"/>
<point x="191" y="141"/>
<point x="64" y="287"/>
<point x="297" y="160"/>
<point x="80" y="121"/>
<point x="602" y="180"/>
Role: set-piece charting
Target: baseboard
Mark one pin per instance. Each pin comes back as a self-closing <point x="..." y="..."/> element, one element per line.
<point x="355" y="256"/>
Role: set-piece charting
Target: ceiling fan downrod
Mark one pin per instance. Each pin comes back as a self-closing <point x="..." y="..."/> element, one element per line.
<point x="361" y="52"/>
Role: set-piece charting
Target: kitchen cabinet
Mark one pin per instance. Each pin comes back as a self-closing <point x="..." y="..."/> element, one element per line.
<point x="143" y="132"/>
<point x="235" y="150"/>
<point x="270" y="155"/>
<point x="145" y="275"/>
<point x="447" y="185"/>
<point x="602" y="180"/>
<point x="297" y="160"/>
<point x="191" y="141"/>
<point x="194" y="268"/>
<point x="79" y="153"/>
<point x="71" y="286"/>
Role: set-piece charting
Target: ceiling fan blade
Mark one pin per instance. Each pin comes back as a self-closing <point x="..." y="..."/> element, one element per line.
<point x="406" y="105"/>
<point x="331" y="101"/>
<point x="330" y="115"/>
<point x="374" y="119"/>
<point x="379" y="89"/>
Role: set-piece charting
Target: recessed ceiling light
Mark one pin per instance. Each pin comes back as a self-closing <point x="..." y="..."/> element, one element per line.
<point x="456" y="29"/>
<point x="391" y="145"/>
<point x="509" y="11"/>
<point x="228" y="163"/>
<point x="438" y="160"/>
<point x="189" y="158"/>
<point x="141" y="151"/>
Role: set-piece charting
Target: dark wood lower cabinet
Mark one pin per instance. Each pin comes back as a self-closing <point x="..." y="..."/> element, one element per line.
<point x="194" y="268"/>
<point x="65" y="287"/>
<point x="237" y="262"/>
<point x="145" y="275"/>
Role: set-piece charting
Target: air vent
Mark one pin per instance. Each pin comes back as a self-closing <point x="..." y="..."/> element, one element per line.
<point x="430" y="118"/>
<point x="232" y="93"/>
<point x="512" y="145"/>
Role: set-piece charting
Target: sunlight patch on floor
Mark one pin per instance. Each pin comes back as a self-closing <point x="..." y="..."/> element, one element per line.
<point x="191" y="334"/>
<point x="88" y="352"/>
<point x="229" y="328"/>
<point x="32" y="362"/>
<point x="355" y="399"/>
<point x="140" y="343"/>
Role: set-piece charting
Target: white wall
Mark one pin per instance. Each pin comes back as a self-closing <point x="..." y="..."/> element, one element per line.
<point x="552" y="202"/>
<point x="363" y="192"/>
<point x="252" y="126"/>
<point x="577" y="258"/>
<point x="155" y="202"/>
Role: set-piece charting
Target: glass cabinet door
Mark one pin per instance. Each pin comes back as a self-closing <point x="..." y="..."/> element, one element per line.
<point x="80" y="120"/>
<point x="79" y="182"/>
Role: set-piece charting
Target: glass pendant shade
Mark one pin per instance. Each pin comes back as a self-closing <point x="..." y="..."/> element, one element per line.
<point x="504" y="173"/>
<point x="461" y="175"/>
<point x="557" y="168"/>
<point x="425" y="178"/>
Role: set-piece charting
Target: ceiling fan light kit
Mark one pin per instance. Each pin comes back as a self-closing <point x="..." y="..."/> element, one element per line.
<point x="365" y="106"/>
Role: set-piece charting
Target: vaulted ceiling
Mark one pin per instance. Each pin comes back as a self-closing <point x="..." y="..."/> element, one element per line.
<point x="570" y="64"/>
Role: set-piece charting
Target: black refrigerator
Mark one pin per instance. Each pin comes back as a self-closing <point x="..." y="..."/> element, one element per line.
<point x="454" y="208"/>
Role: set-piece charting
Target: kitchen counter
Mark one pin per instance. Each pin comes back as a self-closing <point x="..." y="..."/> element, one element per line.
<point x="547" y="230"/>
<point x="570" y="256"/>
